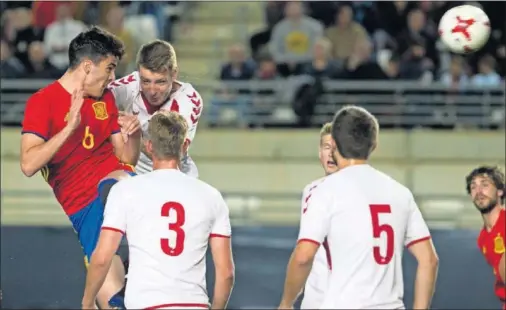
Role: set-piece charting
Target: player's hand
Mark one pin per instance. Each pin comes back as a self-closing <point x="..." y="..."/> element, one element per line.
<point x="74" y="116"/>
<point x="283" y="306"/>
<point x="129" y="123"/>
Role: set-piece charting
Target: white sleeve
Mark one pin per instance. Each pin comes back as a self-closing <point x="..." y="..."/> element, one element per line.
<point x="316" y="216"/>
<point x="122" y="91"/>
<point x="197" y="106"/>
<point x="305" y="198"/>
<point x="417" y="229"/>
<point x="221" y="226"/>
<point x="115" y="210"/>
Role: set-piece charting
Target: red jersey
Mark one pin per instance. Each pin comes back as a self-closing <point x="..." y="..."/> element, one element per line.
<point x="87" y="156"/>
<point x="492" y="245"/>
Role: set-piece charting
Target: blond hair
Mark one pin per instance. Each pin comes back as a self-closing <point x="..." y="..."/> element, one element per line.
<point x="167" y="132"/>
<point x="326" y="130"/>
<point x="157" y="56"/>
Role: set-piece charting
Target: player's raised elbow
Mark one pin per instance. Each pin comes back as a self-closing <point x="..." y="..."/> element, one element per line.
<point x="27" y="168"/>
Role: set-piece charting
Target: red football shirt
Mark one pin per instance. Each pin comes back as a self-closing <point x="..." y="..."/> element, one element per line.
<point x="492" y="245"/>
<point x="87" y="156"/>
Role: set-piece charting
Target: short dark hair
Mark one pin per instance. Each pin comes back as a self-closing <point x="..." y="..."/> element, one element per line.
<point x="355" y="132"/>
<point x="157" y="56"/>
<point x="94" y="44"/>
<point x="493" y="172"/>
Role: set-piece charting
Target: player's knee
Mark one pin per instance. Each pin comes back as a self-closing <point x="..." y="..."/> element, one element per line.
<point x="104" y="188"/>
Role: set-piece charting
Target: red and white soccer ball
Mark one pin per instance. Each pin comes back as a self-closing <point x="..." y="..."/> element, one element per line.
<point x="464" y="29"/>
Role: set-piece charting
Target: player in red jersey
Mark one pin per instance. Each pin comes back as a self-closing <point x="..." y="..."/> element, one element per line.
<point x="73" y="135"/>
<point x="486" y="186"/>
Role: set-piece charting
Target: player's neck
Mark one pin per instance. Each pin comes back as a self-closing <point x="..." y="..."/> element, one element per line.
<point x="344" y="163"/>
<point x="70" y="81"/>
<point x="491" y="218"/>
<point x="165" y="164"/>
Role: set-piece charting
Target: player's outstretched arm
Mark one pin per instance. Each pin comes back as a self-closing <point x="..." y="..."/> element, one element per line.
<point x="36" y="152"/>
<point x="221" y="251"/>
<point x="426" y="272"/>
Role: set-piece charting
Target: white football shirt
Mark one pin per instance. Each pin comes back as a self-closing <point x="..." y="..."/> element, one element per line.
<point x="168" y="217"/>
<point x="186" y="100"/>
<point x="367" y="218"/>
<point x="316" y="283"/>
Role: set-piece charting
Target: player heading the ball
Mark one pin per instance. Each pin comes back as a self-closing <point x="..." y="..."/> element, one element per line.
<point x="72" y="134"/>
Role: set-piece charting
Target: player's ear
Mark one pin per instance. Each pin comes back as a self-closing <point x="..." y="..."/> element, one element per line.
<point x="500" y="193"/>
<point x="87" y="66"/>
<point x="186" y="145"/>
<point x="149" y="146"/>
<point x="175" y="73"/>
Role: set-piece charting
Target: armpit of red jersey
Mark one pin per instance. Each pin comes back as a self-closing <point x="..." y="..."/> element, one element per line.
<point x="36" y="119"/>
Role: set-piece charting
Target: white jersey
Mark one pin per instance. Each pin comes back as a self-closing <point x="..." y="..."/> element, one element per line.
<point x="367" y="218"/>
<point x="316" y="283"/>
<point x="168" y="217"/>
<point x="186" y="100"/>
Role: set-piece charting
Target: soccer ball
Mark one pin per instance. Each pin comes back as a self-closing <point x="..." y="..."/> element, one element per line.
<point x="464" y="29"/>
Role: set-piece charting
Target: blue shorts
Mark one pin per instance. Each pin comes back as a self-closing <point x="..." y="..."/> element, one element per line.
<point x="87" y="224"/>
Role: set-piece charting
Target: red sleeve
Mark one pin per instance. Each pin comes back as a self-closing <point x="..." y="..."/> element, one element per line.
<point x="113" y="112"/>
<point x="37" y="119"/>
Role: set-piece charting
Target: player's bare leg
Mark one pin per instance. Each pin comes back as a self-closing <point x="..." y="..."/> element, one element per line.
<point x="113" y="283"/>
<point x="115" y="279"/>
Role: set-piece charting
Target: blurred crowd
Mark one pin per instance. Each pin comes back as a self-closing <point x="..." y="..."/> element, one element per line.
<point x="363" y="40"/>
<point x="36" y="34"/>
<point x="366" y="40"/>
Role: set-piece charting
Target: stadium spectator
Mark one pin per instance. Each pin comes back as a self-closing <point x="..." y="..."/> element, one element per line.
<point x="392" y="16"/>
<point x="293" y="38"/>
<point x="26" y="33"/>
<point x="8" y="27"/>
<point x="40" y="67"/>
<point x="10" y="66"/>
<point x="238" y="68"/>
<point x="115" y="24"/>
<point x="362" y="66"/>
<point x="487" y="76"/>
<point x="322" y="64"/>
<point x="456" y="78"/>
<point x="324" y="11"/>
<point x="345" y="33"/>
<point x="416" y="33"/>
<point x="59" y="34"/>
<point x="273" y="14"/>
<point x="415" y="65"/>
<point x="44" y="12"/>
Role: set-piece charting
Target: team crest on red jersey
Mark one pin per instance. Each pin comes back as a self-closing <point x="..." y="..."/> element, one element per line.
<point x="498" y="244"/>
<point x="100" y="110"/>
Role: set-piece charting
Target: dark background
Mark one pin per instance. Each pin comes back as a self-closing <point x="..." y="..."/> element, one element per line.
<point x="42" y="267"/>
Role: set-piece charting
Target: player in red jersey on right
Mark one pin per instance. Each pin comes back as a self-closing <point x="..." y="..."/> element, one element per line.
<point x="73" y="134"/>
<point x="486" y="186"/>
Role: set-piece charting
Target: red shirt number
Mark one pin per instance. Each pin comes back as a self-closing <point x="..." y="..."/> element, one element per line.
<point x="378" y="229"/>
<point x="176" y="227"/>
